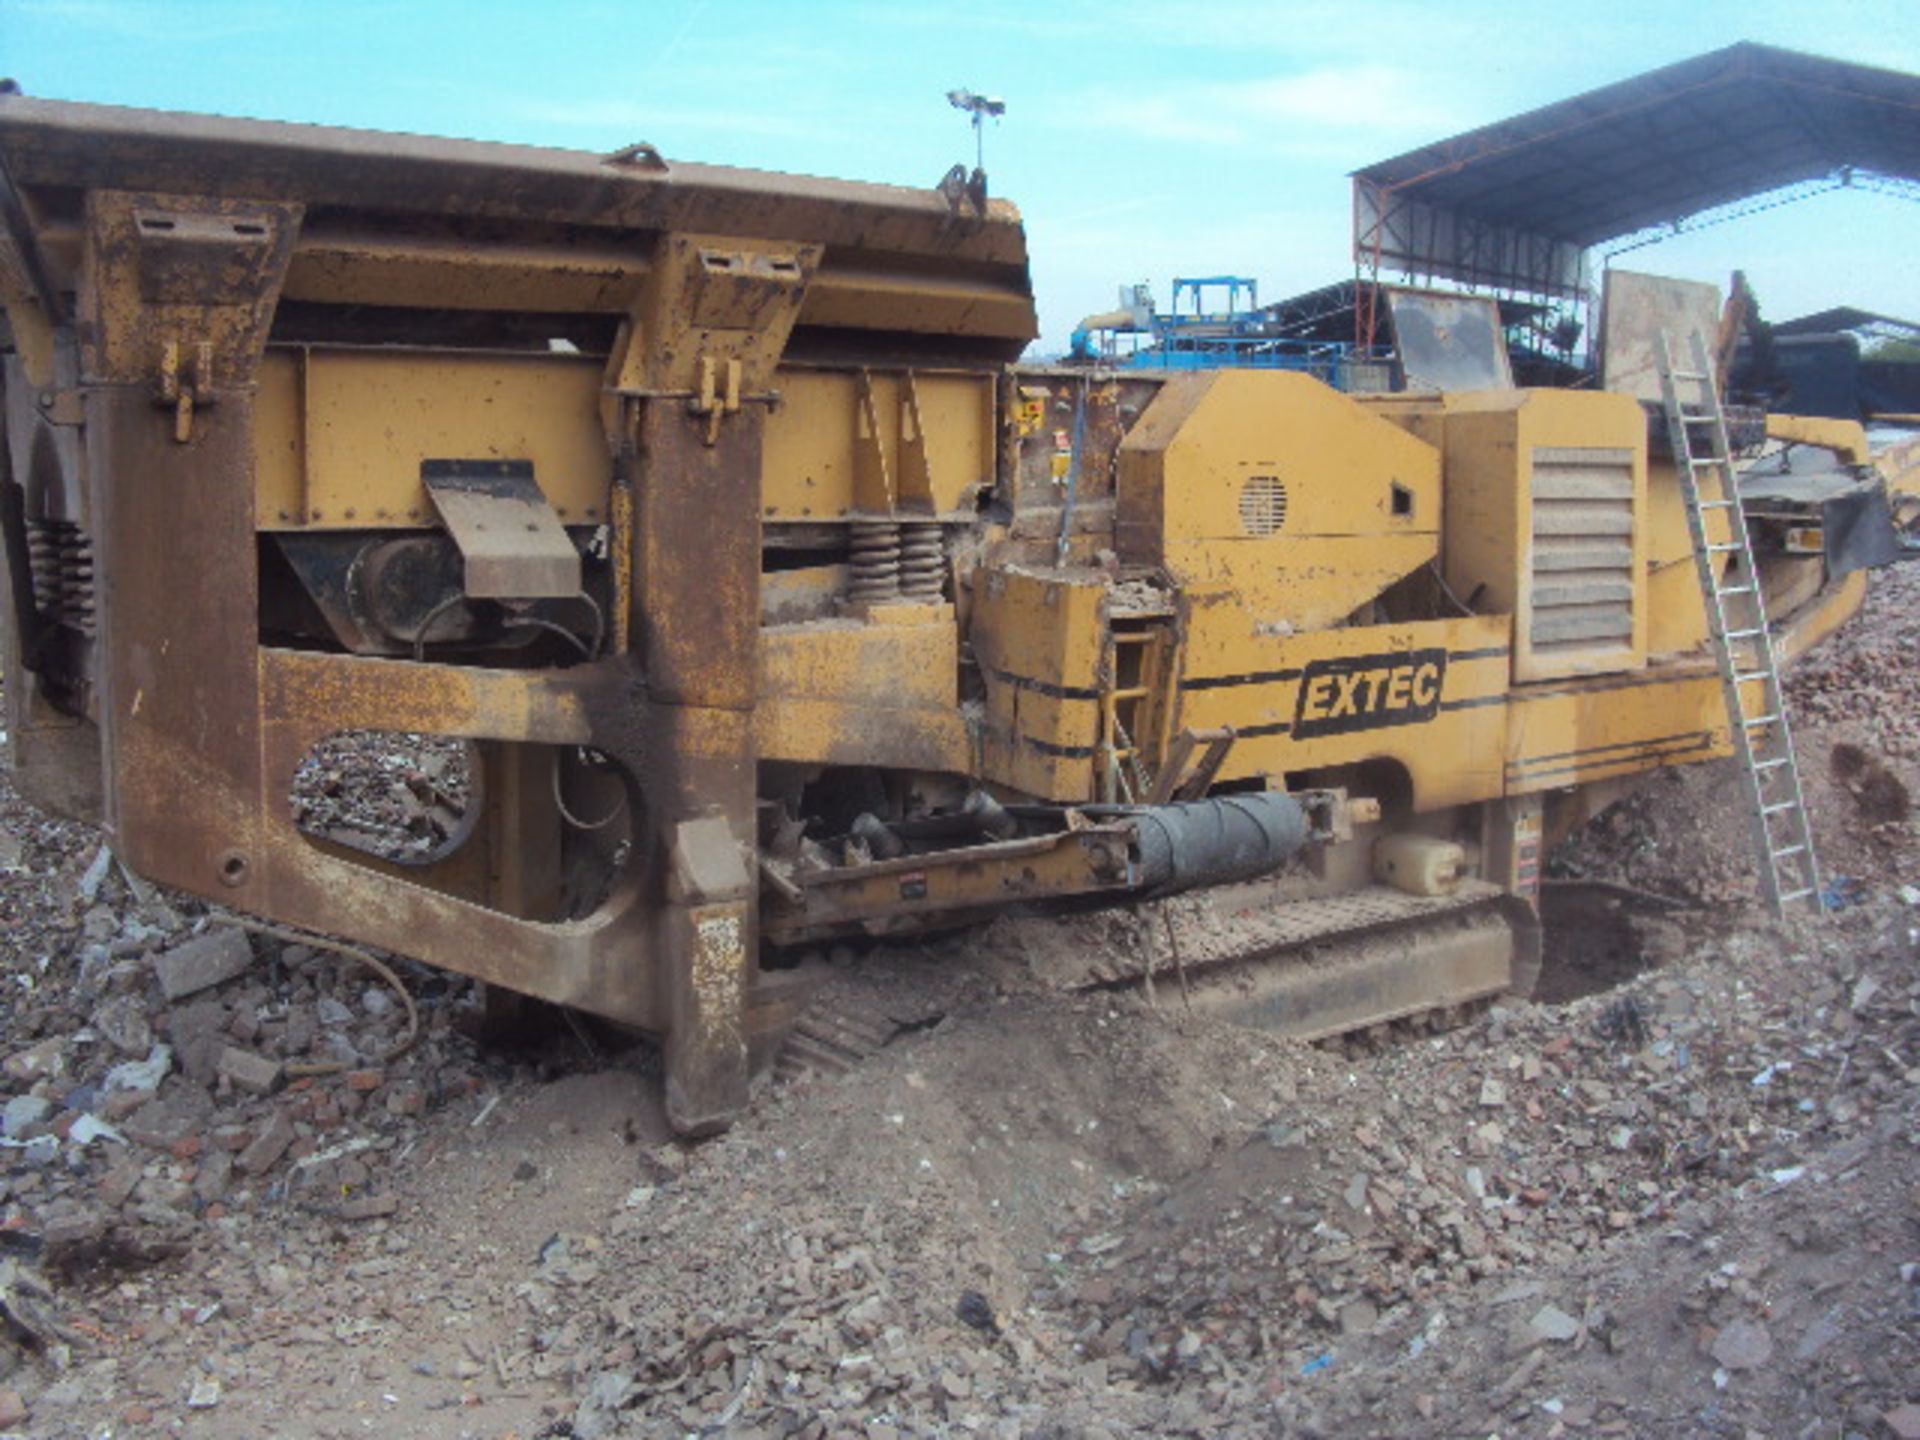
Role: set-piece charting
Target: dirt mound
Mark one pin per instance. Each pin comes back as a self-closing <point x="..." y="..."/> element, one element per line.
<point x="885" y="1229"/>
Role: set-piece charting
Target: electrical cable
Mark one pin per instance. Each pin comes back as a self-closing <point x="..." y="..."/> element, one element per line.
<point x="1447" y="590"/>
<point x="338" y="947"/>
<point x="588" y="649"/>
<point x="420" y="631"/>
<point x="572" y="819"/>
<point x="535" y="622"/>
<point x="599" y="624"/>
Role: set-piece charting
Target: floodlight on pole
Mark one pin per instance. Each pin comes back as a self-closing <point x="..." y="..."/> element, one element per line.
<point x="978" y="108"/>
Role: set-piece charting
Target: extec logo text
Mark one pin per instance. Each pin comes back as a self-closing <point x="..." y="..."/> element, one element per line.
<point x="1369" y="692"/>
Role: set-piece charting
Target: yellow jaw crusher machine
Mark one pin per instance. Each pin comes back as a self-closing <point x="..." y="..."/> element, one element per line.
<point x="772" y="603"/>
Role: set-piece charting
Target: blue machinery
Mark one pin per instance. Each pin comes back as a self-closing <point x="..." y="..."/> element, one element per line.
<point x="1191" y="337"/>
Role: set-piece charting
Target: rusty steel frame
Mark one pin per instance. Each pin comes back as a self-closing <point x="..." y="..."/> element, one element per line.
<point x="945" y="888"/>
<point x="178" y="236"/>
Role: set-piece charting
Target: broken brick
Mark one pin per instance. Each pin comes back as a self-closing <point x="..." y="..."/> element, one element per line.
<point x="256" y="1074"/>
<point x="267" y="1147"/>
<point x="202" y="963"/>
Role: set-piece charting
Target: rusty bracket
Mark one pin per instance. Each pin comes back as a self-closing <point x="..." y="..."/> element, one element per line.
<point x="1183" y="778"/>
<point x="964" y="192"/>
<point x="719" y="394"/>
<point x="184" y="393"/>
<point x="706" y="864"/>
<point x="640" y="155"/>
<point x="1332" y="813"/>
<point x="510" y="540"/>
<point x="711" y="399"/>
<point x="915" y="476"/>
<point x="21" y="257"/>
<point x="63" y="407"/>
<point x="873" y="479"/>
<point x="921" y="890"/>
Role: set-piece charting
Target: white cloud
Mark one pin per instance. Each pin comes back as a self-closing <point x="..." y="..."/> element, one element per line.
<point x="1341" y="114"/>
<point x="1379" y="99"/>
<point x="1163" y="116"/>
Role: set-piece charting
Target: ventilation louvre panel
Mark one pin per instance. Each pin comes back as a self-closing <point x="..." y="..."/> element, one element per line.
<point x="1581" y="574"/>
<point x="1263" y="505"/>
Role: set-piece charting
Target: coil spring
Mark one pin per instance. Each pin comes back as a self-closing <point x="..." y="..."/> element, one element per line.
<point x="874" y="562"/>
<point x="61" y="558"/>
<point x="922" y="562"/>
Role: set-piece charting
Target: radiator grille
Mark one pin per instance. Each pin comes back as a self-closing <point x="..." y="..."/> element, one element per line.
<point x="1582" y="569"/>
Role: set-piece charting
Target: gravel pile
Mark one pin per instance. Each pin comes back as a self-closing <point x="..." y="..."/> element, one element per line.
<point x="399" y="796"/>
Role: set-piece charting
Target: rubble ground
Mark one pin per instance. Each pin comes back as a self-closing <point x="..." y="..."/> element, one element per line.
<point x="241" y="1194"/>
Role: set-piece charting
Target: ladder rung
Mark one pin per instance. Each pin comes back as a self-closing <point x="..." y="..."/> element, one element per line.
<point x="1723" y="550"/>
<point x="1716" y="504"/>
<point x="1132" y="692"/>
<point x="1741" y="677"/>
<point x="1688" y="375"/>
<point x="1703" y="462"/>
<point x="1743" y="634"/>
<point x="1783" y="805"/>
<point x="1771" y="764"/>
<point x="1796" y="895"/>
<point x="1132" y="637"/>
<point x="1699" y="419"/>
<point x="1789" y="850"/>
<point x="1760" y="720"/>
<point x="1734" y="590"/>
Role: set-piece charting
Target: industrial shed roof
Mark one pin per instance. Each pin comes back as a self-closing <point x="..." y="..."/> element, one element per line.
<point x="1516" y="204"/>
<point x="1847" y="317"/>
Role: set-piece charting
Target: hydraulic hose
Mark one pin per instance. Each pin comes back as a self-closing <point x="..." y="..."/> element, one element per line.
<point x="1217" y="841"/>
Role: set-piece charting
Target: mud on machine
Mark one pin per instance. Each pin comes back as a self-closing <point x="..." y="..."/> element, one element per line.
<point x="773" y="601"/>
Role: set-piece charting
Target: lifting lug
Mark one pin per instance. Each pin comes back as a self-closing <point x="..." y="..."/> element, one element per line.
<point x="185" y="393"/>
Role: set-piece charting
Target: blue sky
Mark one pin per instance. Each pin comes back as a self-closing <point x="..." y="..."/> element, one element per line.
<point x="1143" y="138"/>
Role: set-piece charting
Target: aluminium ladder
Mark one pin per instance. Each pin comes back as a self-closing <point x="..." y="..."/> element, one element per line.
<point x="1742" y="643"/>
